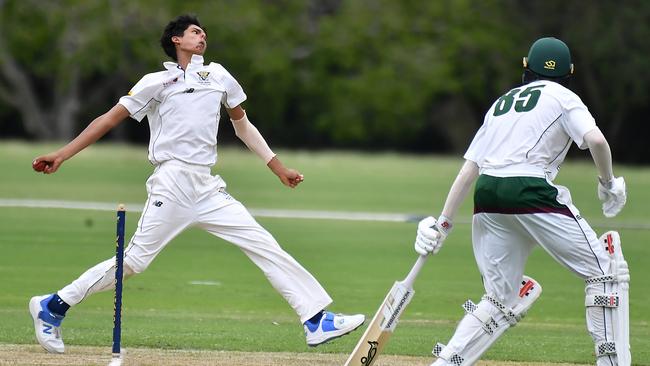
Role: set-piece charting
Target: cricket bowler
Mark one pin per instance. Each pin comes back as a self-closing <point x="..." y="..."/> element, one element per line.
<point x="182" y="104"/>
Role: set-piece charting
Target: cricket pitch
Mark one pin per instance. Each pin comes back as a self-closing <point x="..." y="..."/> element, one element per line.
<point x="11" y="354"/>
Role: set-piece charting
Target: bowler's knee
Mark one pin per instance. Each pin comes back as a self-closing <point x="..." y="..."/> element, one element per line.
<point x="128" y="271"/>
<point x="132" y="267"/>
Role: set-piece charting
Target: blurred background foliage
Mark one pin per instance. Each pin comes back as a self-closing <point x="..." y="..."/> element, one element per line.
<point x="357" y="74"/>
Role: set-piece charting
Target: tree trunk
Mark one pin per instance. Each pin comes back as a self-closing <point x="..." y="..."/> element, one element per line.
<point x="66" y="107"/>
<point x="17" y="90"/>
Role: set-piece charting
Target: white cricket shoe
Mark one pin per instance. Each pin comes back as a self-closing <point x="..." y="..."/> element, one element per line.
<point x="331" y="326"/>
<point x="46" y="324"/>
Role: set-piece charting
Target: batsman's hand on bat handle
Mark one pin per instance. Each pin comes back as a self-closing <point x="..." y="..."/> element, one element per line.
<point x="612" y="194"/>
<point x="431" y="234"/>
<point x="288" y="177"/>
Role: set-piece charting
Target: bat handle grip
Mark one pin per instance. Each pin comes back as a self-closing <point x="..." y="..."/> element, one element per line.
<point x="413" y="273"/>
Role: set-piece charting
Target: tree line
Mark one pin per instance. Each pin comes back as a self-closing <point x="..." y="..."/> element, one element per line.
<point x="361" y="74"/>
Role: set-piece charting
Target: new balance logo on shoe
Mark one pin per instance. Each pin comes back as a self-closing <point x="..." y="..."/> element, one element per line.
<point x="47" y="325"/>
<point x="331" y="326"/>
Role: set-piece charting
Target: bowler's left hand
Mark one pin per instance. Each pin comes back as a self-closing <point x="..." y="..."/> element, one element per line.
<point x="291" y="177"/>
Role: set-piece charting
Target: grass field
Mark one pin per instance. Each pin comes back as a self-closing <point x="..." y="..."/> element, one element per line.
<point x="44" y="249"/>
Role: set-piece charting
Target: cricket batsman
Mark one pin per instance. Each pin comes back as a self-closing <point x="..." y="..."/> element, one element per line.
<point x="513" y="159"/>
<point x="182" y="104"/>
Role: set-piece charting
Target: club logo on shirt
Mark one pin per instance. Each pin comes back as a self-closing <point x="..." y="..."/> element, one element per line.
<point x="203" y="75"/>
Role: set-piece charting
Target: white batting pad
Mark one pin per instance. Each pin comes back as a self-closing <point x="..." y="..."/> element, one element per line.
<point x="608" y="310"/>
<point x="483" y="324"/>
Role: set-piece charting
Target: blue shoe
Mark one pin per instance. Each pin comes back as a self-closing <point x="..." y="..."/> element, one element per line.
<point x="46" y="324"/>
<point x="331" y="326"/>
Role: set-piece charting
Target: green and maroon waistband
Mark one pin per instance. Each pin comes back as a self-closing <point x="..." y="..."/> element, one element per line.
<point x="516" y="195"/>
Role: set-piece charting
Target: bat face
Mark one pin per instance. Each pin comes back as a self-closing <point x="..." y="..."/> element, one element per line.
<point x="381" y="327"/>
<point x="398" y="297"/>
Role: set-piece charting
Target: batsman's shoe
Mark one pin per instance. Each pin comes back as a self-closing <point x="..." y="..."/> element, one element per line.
<point x="46" y="324"/>
<point x="331" y="326"/>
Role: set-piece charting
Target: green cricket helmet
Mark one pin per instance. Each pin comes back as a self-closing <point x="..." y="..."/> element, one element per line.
<point x="549" y="57"/>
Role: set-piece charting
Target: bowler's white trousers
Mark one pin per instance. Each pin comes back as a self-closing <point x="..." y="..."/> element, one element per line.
<point x="183" y="195"/>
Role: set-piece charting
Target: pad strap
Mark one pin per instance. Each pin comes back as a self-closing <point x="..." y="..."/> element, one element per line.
<point x="489" y="324"/>
<point x="602" y="300"/>
<point x="605" y="349"/>
<point x="441" y="351"/>
<point x="509" y="314"/>
<point x="600" y="279"/>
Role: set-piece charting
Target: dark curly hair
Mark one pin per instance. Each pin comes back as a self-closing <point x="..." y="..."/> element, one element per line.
<point x="176" y="28"/>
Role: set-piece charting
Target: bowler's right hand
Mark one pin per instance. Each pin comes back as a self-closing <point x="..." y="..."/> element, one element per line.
<point x="47" y="164"/>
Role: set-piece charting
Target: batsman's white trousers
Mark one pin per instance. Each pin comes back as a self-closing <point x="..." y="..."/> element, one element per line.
<point x="503" y="242"/>
<point x="183" y="195"/>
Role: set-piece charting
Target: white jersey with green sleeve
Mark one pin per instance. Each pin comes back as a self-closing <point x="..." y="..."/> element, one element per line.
<point x="528" y="131"/>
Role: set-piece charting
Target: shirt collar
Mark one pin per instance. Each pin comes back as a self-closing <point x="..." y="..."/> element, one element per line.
<point x="195" y="60"/>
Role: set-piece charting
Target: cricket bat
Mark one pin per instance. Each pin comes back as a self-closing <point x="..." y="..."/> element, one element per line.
<point x="385" y="320"/>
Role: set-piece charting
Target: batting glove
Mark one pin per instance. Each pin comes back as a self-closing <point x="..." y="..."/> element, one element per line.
<point x="431" y="234"/>
<point x="613" y="195"/>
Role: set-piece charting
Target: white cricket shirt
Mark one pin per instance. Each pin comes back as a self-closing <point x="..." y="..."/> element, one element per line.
<point x="528" y="131"/>
<point x="183" y="109"/>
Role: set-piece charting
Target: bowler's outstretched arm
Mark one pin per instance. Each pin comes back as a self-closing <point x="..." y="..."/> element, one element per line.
<point x="93" y="132"/>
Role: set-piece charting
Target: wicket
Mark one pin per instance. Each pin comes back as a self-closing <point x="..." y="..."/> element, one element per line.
<point x="119" y="263"/>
